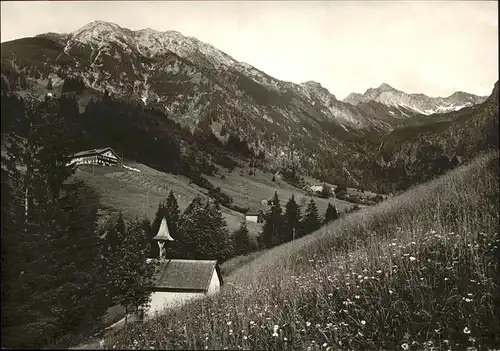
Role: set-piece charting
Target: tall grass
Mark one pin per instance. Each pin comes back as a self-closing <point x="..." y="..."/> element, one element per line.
<point x="419" y="271"/>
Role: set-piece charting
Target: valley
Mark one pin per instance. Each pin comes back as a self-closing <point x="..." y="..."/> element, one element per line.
<point x="296" y="219"/>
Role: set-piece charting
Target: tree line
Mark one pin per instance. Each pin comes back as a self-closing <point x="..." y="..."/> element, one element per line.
<point x="282" y="227"/>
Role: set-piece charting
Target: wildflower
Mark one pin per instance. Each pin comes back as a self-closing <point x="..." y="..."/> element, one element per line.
<point x="467" y="299"/>
<point x="412" y="258"/>
<point x="229" y="323"/>
<point x="446" y="279"/>
<point x="405" y="346"/>
<point x="379" y="271"/>
<point x="325" y="344"/>
<point x="391" y="292"/>
<point x="308" y="324"/>
<point x="356" y="297"/>
<point x="466" y="330"/>
<point x="285" y="339"/>
<point x="363" y="322"/>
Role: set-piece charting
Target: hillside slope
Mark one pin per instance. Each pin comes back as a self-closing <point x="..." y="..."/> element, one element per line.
<point x="417" y="271"/>
<point x="138" y="194"/>
<point x="427" y="150"/>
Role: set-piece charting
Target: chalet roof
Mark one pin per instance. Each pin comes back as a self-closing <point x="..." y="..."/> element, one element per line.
<point x="163" y="232"/>
<point x="185" y="275"/>
<point x="253" y="213"/>
<point x="94" y="152"/>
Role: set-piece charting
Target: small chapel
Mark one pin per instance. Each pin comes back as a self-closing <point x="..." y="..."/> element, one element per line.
<point x="178" y="281"/>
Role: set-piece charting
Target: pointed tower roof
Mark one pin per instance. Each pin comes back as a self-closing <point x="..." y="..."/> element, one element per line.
<point x="163" y="233"/>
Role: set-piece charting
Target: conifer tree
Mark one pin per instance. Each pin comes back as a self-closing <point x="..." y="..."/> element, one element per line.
<point x="292" y="219"/>
<point x="204" y="231"/>
<point x="50" y="227"/>
<point x="331" y="213"/>
<point x="190" y="227"/>
<point x="273" y="224"/>
<point x="129" y="273"/>
<point x="310" y="221"/>
<point x="241" y="240"/>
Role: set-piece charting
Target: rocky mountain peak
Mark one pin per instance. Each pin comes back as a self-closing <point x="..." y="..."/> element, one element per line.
<point x="317" y="89"/>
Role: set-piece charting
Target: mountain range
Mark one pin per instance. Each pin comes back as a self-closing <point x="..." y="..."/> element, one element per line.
<point x="203" y="88"/>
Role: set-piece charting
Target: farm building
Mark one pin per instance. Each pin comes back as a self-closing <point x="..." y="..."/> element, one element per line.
<point x="103" y="157"/>
<point x="178" y="281"/>
<point x="256" y="217"/>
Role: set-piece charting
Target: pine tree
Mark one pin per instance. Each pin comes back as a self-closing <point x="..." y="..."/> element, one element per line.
<point x="190" y="228"/>
<point x="220" y="234"/>
<point x="326" y="191"/>
<point x="310" y="222"/>
<point x="292" y="218"/>
<point x="204" y="231"/>
<point x="331" y="213"/>
<point x="241" y="240"/>
<point x="128" y="272"/>
<point x="49" y="84"/>
<point x="273" y="224"/>
<point x="172" y="215"/>
<point x="53" y="277"/>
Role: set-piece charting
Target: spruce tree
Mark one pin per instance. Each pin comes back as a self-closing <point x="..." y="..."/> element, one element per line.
<point x="220" y="234"/>
<point x="310" y="221"/>
<point x="190" y="227"/>
<point x="292" y="218"/>
<point x="172" y="215"/>
<point x="331" y="213"/>
<point x="127" y="270"/>
<point x="50" y="227"/>
<point x="241" y="240"/>
<point x="273" y="224"/>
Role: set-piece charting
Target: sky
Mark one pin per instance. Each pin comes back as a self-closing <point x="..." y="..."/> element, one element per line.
<point x="434" y="47"/>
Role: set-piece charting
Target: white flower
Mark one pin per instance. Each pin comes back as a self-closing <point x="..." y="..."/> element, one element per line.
<point x="245" y="337"/>
<point x="466" y="330"/>
<point x="405" y="346"/>
<point x="229" y="323"/>
<point x="275" y="328"/>
<point x="379" y="271"/>
<point x="308" y="324"/>
<point x="363" y="322"/>
<point x="356" y="296"/>
<point x="412" y="258"/>
<point x="325" y="344"/>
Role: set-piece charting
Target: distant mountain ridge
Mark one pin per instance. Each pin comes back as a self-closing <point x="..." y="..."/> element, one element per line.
<point x="208" y="91"/>
<point x="419" y="103"/>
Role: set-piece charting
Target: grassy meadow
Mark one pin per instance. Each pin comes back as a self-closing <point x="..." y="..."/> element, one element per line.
<point x="417" y="272"/>
<point x="139" y="193"/>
